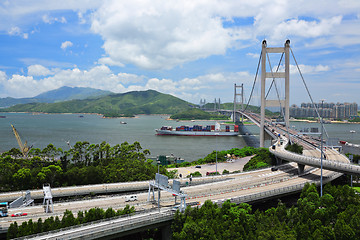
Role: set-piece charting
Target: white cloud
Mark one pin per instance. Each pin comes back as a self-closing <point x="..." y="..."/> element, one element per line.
<point x="50" y="20"/>
<point x="307" y="69"/>
<point x="66" y="44"/>
<point x="307" y="29"/>
<point x="158" y="34"/>
<point x="38" y="70"/>
<point x="253" y="55"/>
<point x="16" y="31"/>
<point x="101" y="77"/>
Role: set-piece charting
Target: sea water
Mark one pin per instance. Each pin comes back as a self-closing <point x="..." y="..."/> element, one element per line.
<point x="39" y="130"/>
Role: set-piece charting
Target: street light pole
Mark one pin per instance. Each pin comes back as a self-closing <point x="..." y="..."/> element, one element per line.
<point x="321" y="145"/>
<point x="158" y="184"/>
<point x="216" y="134"/>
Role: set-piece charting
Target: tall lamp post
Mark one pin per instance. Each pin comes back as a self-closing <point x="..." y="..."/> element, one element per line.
<point x="321" y="145"/>
<point x="216" y="149"/>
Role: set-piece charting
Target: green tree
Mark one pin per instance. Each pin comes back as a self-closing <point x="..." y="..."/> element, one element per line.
<point x="49" y="174"/>
<point x="22" y="178"/>
<point x="68" y="219"/>
<point x="12" y="231"/>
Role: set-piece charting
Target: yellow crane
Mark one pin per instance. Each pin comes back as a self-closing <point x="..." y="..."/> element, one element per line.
<point x="23" y="147"/>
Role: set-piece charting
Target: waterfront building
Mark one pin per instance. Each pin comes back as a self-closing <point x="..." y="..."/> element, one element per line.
<point x="326" y="110"/>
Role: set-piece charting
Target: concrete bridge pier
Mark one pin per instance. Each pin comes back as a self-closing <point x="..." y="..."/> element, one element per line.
<point x="166" y="232"/>
<point x="301" y="168"/>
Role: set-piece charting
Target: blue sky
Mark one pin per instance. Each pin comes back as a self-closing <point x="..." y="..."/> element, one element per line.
<point x="191" y="49"/>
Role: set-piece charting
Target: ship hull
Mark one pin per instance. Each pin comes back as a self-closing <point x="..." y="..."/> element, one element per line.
<point x="195" y="133"/>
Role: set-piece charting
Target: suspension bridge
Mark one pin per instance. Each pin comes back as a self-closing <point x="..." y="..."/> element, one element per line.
<point x="313" y="166"/>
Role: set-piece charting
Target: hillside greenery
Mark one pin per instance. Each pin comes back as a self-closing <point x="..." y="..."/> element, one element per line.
<point x="67" y="220"/>
<point x="84" y="164"/>
<point x="335" y="215"/>
<point x="114" y="105"/>
<point x="198" y="114"/>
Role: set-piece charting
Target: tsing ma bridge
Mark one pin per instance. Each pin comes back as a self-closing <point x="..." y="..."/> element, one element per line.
<point x="248" y="187"/>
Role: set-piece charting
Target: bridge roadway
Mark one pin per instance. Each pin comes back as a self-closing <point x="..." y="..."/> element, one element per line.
<point x="337" y="162"/>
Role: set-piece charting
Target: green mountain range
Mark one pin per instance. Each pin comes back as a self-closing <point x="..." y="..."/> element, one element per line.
<point x="61" y="94"/>
<point x="114" y="105"/>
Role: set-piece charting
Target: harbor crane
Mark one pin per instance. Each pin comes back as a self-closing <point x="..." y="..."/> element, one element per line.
<point x="24" y="148"/>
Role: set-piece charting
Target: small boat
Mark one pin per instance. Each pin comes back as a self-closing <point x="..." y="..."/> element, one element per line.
<point x="81" y="116"/>
<point x="2" y="116"/>
<point x="123" y="122"/>
<point x="352" y="131"/>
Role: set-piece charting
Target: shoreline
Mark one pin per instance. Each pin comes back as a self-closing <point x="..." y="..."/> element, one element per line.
<point x="326" y="122"/>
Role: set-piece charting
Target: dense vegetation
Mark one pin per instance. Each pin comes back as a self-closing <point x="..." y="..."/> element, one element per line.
<point x="197" y="114"/>
<point x="68" y="220"/>
<point x="84" y="164"/>
<point x="294" y="147"/>
<point x="262" y="159"/>
<point x="115" y="105"/>
<point x="335" y="215"/>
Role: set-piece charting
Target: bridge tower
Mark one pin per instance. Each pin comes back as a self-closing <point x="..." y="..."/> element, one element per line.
<point x="283" y="103"/>
<point x="241" y="95"/>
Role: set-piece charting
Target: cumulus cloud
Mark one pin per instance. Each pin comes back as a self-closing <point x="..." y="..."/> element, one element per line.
<point x="66" y="44"/>
<point x="158" y="34"/>
<point x="101" y="77"/>
<point x="38" y="70"/>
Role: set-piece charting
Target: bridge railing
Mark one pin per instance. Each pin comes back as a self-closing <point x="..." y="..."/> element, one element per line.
<point x="132" y="222"/>
<point x="279" y="191"/>
<point x="128" y="218"/>
<point x="316" y="162"/>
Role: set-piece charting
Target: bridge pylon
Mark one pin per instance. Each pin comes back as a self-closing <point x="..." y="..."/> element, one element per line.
<point x="283" y="103"/>
<point x="236" y="102"/>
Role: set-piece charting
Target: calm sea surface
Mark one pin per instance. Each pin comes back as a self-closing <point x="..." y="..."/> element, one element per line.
<point x="42" y="129"/>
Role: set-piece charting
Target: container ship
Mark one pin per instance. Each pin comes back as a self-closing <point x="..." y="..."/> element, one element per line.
<point x="198" y="130"/>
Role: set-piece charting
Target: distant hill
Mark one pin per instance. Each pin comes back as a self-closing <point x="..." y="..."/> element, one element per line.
<point x="114" y="105"/>
<point x="57" y="95"/>
<point x="230" y="106"/>
<point x="198" y="114"/>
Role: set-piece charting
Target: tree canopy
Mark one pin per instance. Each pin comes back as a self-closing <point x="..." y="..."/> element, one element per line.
<point x="84" y="164"/>
<point x="335" y="215"/>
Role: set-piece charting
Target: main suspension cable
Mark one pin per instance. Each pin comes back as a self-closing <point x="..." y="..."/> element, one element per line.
<point x="252" y="90"/>
<point x="312" y="101"/>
